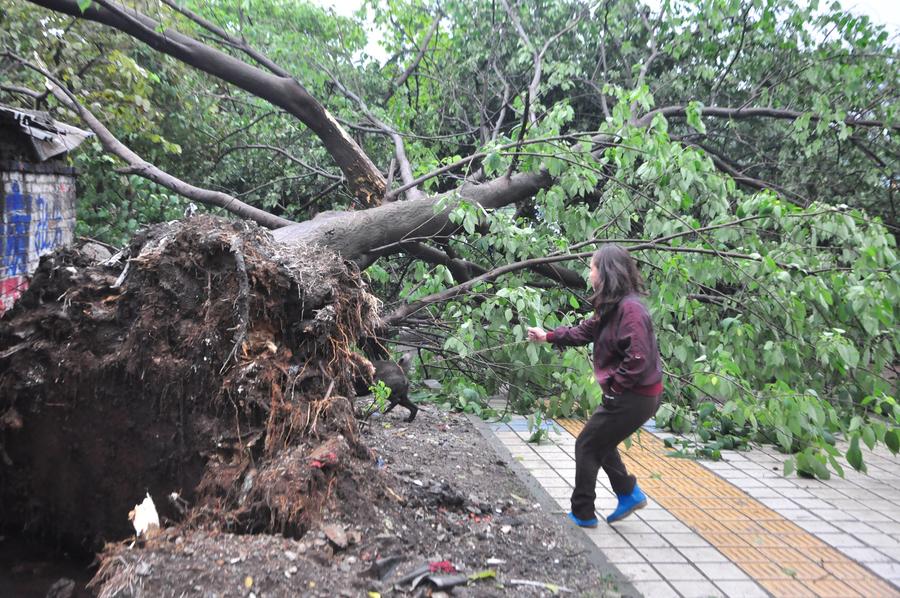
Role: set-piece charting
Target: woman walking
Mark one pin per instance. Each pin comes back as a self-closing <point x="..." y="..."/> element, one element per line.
<point x="627" y="366"/>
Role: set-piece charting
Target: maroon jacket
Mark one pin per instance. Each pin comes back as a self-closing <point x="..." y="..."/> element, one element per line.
<point x="626" y="355"/>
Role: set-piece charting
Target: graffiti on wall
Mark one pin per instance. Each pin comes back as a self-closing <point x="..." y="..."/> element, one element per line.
<point x="11" y="289"/>
<point x="18" y="223"/>
<point x="48" y="231"/>
<point x="32" y="227"/>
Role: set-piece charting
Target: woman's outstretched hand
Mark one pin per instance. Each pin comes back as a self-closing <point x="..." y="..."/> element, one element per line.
<point x="537" y="335"/>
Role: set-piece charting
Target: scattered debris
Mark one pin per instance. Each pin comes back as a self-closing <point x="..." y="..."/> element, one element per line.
<point x="555" y="589"/>
<point x="335" y="533"/>
<point x="441" y="567"/>
<point x="144" y="517"/>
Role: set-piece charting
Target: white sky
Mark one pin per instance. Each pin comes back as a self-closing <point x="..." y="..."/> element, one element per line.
<point x="884" y="12"/>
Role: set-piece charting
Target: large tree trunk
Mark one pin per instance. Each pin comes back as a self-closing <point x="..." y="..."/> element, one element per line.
<point x="365" y="235"/>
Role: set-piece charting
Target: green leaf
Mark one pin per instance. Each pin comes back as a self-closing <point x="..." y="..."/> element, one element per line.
<point x="693" y="114"/>
<point x="892" y="440"/>
<point x="789" y="465"/>
<point x="83" y="5"/>
<point x="868" y="436"/>
<point x="835" y="465"/>
<point x="854" y="455"/>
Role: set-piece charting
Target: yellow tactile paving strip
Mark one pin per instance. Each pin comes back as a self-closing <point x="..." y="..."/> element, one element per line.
<point x="780" y="556"/>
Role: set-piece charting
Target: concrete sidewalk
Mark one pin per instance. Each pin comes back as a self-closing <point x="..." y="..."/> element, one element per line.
<point x="735" y="527"/>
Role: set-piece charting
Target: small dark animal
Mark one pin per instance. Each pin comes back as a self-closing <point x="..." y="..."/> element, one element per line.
<point x="394" y="376"/>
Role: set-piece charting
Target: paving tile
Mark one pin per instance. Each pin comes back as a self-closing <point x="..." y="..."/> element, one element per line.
<point x="679" y="572"/>
<point x="847" y="571"/>
<point x="854" y="527"/>
<point x="654" y="515"/>
<point x="722" y="572"/>
<point x="670" y="527"/>
<point x="798" y="515"/>
<point x="639" y="572"/>
<point x="891" y="527"/>
<point x="831" y="588"/>
<point x="877" y="540"/>
<point x="780" y="483"/>
<point x="742" y="555"/>
<point x="742" y="589"/>
<point x="604" y="538"/>
<point x="647" y="541"/>
<point x="622" y="555"/>
<point x="832" y="515"/>
<point x="840" y="540"/>
<point x="655" y="589"/>
<point x="764" y="492"/>
<point x="768" y="570"/>
<point x="697" y="589"/>
<point x="778" y="503"/>
<point x="633" y="526"/>
<point x="784" y="588"/>
<point x="813" y="503"/>
<point x="888" y="570"/>
<point x="817" y="526"/>
<point x="686" y="540"/>
<point x="882" y="504"/>
<point x="662" y="555"/>
<point x="701" y="554"/>
<point x="804" y="570"/>
<point x="892" y="553"/>
<point x="846" y="504"/>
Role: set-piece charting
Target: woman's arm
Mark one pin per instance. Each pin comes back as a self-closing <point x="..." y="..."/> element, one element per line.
<point x="567" y="336"/>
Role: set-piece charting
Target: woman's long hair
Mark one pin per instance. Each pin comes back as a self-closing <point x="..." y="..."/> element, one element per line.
<point x="618" y="276"/>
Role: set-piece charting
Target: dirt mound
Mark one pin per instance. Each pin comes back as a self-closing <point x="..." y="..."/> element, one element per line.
<point x="207" y="361"/>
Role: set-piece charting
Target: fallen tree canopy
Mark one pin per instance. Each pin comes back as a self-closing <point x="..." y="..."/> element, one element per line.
<point x="210" y="362"/>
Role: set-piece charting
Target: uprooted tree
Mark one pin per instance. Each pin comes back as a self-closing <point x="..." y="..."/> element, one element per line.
<point x="746" y="152"/>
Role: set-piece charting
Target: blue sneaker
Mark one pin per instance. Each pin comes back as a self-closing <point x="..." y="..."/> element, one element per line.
<point x="628" y="504"/>
<point x="583" y="522"/>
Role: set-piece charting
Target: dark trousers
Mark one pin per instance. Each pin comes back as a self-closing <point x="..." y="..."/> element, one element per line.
<point x="614" y="421"/>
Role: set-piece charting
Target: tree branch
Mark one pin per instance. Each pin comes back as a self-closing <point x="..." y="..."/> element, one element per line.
<point x="415" y="63"/>
<point x="461" y="270"/>
<point x="284" y="153"/>
<point x="139" y="166"/>
<point x="744" y="113"/>
<point x="654" y="51"/>
<point x="239" y="44"/>
<point x="35" y="95"/>
<point x="734" y="58"/>
<point x="660" y="244"/>
<point x="399" y="148"/>
<point x="363" y="177"/>
<point x="739" y="177"/>
<point x="538" y="55"/>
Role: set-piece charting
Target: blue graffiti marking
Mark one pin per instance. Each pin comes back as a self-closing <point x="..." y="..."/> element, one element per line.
<point x="47" y="234"/>
<point x="58" y="224"/>
<point x="18" y="221"/>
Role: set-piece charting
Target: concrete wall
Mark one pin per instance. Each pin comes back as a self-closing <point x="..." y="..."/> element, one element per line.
<point x="38" y="202"/>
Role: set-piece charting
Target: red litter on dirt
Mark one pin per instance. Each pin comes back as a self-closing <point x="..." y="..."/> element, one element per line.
<point x="441" y="567"/>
